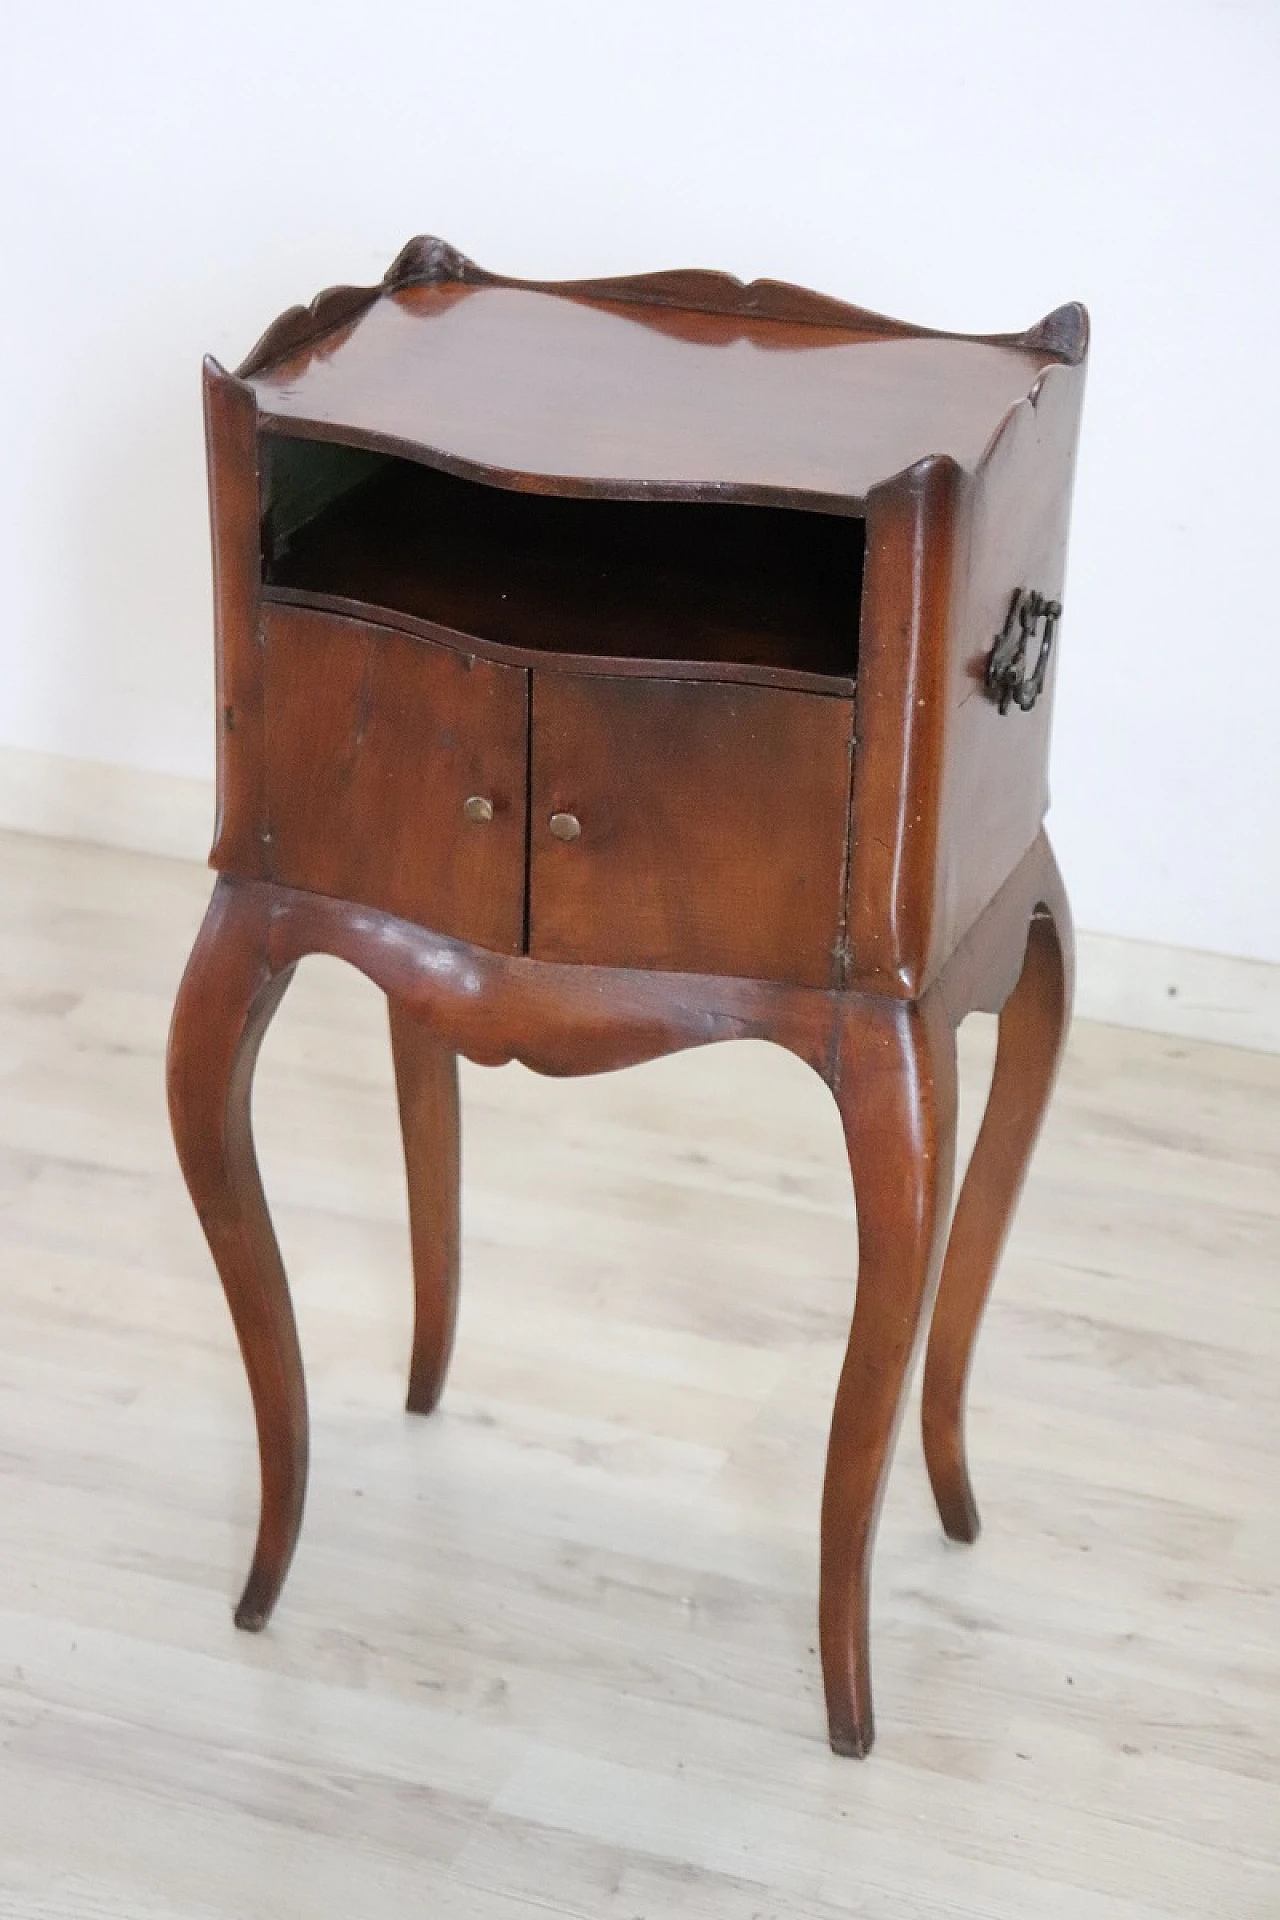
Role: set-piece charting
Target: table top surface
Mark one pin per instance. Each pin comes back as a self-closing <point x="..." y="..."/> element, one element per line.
<point x="682" y="385"/>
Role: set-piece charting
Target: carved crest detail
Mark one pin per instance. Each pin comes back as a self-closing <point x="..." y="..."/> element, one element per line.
<point x="429" y="261"/>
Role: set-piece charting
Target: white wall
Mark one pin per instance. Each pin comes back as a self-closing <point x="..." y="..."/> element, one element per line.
<point x="174" y="176"/>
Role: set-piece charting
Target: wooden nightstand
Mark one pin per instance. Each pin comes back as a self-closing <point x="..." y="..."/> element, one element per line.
<point x="614" y="667"/>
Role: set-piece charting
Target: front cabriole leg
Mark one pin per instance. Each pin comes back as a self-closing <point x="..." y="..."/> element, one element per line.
<point x="225" y="1003"/>
<point x="893" y="1074"/>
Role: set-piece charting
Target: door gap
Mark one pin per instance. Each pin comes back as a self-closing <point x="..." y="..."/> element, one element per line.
<point x="528" y="811"/>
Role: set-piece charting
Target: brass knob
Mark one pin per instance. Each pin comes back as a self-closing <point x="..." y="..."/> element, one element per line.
<point x="565" y="826"/>
<point x="478" y="810"/>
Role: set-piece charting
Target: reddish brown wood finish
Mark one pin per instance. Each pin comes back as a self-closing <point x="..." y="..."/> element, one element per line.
<point x="231" y="428"/>
<point x="1015" y="534"/>
<point x="714" y="821"/>
<point x="675" y="301"/>
<point x="229" y="992"/>
<point x="710" y="389"/>
<point x="947" y="795"/>
<point x="894" y="1078"/>
<point x="902" y="723"/>
<point x="757" y="848"/>
<point x="890" y="1065"/>
<point x="959" y="450"/>
<point x="1033" y="1032"/>
<point x="374" y="743"/>
<point x="427" y="1091"/>
<point x="489" y="380"/>
<point x="551" y="659"/>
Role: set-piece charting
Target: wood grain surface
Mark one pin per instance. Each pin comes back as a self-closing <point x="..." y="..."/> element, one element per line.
<point x="715" y="823"/>
<point x="956" y="451"/>
<point x="490" y="381"/>
<point x="375" y="742"/>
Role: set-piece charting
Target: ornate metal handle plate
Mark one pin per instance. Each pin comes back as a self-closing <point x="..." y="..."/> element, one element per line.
<point x="1007" y="679"/>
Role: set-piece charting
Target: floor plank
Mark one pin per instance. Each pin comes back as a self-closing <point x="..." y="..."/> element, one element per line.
<point x="552" y="1651"/>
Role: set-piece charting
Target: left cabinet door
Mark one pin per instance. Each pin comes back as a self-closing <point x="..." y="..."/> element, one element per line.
<point x="396" y="773"/>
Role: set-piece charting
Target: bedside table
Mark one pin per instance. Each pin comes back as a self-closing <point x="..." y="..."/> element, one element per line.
<point x="612" y="667"/>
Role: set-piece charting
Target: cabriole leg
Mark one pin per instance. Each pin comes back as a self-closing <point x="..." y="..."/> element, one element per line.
<point x="1033" y="1030"/>
<point x="427" y="1090"/>
<point x="895" y="1083"/>
<point x="225" y="1004"/>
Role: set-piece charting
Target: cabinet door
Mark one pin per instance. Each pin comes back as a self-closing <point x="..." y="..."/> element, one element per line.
<point x="712" y="826"/>
<point x="375" y="742"/>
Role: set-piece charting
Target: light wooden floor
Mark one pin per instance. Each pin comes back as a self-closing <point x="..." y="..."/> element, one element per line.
<point x="552" y="1651"/>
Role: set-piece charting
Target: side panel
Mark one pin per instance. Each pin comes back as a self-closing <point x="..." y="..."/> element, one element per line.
<point x="995" y="776"/>
<point x="231" y="437"/>
<point x="949" y="794"/>
<point x="912" y="530"/>
<point x="375" y="741"/>
<point x="713" y="825"/>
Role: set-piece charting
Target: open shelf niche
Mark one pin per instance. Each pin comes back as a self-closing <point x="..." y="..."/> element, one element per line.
<point x="770" y="587"/>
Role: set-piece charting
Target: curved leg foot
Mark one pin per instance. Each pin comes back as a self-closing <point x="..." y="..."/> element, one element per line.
<point x="1033" y="1029"/>
<point x="224" y="1006"/>
<point x="896" y="1088"/>
<point x="427" y="1090"/>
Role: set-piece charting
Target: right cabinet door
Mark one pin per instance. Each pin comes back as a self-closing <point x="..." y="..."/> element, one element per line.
<point x="696" y="826"/>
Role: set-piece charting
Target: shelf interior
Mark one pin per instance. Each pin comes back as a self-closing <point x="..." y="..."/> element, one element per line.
<point x="768" y="587"/>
